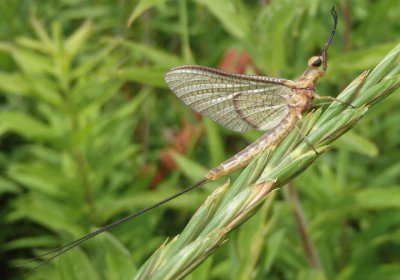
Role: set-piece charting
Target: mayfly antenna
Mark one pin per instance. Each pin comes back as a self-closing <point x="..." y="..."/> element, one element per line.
<point x="324" y="55"/>
<point x="328" y="43"/>
<point x="69" y="246"/>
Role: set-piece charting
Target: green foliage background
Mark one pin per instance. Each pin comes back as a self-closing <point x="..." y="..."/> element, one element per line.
<point x="85" y="113"/>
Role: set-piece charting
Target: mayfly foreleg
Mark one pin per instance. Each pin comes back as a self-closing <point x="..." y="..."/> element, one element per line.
<point x="332" y="99"/>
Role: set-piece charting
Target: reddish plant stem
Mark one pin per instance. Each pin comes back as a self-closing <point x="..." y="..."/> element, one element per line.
<point x="302" y="227"/>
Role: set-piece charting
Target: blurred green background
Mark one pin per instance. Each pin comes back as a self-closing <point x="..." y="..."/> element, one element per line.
<point x="89" y="133"/>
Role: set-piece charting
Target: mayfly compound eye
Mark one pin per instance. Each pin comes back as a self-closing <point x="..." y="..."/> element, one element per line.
<point x="317" y="62"/>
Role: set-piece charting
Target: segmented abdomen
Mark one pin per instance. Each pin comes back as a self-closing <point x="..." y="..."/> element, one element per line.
<point x="271" y="138"/>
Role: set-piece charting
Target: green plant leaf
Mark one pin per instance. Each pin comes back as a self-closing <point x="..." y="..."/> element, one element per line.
<point x="24" y="125"/>
<point x="355" y="142"/>
<point x="141" y="7"/>
<point x="76" y="40"/>
<point x="227" y="13"/>
<point x="145" y="75"/>
<point x="190" y="168"/>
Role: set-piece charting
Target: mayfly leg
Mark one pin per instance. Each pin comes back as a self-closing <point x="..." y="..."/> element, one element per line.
<point x="333" y="99"/>
<point x="306" y="139"/>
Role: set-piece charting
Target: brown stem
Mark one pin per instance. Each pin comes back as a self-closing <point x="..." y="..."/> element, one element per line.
<point x="302" y="227"/>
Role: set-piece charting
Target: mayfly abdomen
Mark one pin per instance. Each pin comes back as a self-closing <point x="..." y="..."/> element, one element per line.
<point x="269" y="139"/>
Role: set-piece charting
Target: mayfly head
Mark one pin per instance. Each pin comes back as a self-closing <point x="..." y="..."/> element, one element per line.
<point x="315" y="61"/>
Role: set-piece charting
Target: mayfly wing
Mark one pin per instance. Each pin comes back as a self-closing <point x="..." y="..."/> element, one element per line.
<point x="235" y="101"/>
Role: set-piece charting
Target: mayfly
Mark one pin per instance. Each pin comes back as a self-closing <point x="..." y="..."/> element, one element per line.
<point x="238" y="102"/>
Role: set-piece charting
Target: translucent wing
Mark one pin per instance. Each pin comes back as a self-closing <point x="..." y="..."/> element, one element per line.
<point x="235" y="101"/>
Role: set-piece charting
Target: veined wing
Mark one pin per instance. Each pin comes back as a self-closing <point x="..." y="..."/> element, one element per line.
<point x="235" y="101"/>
